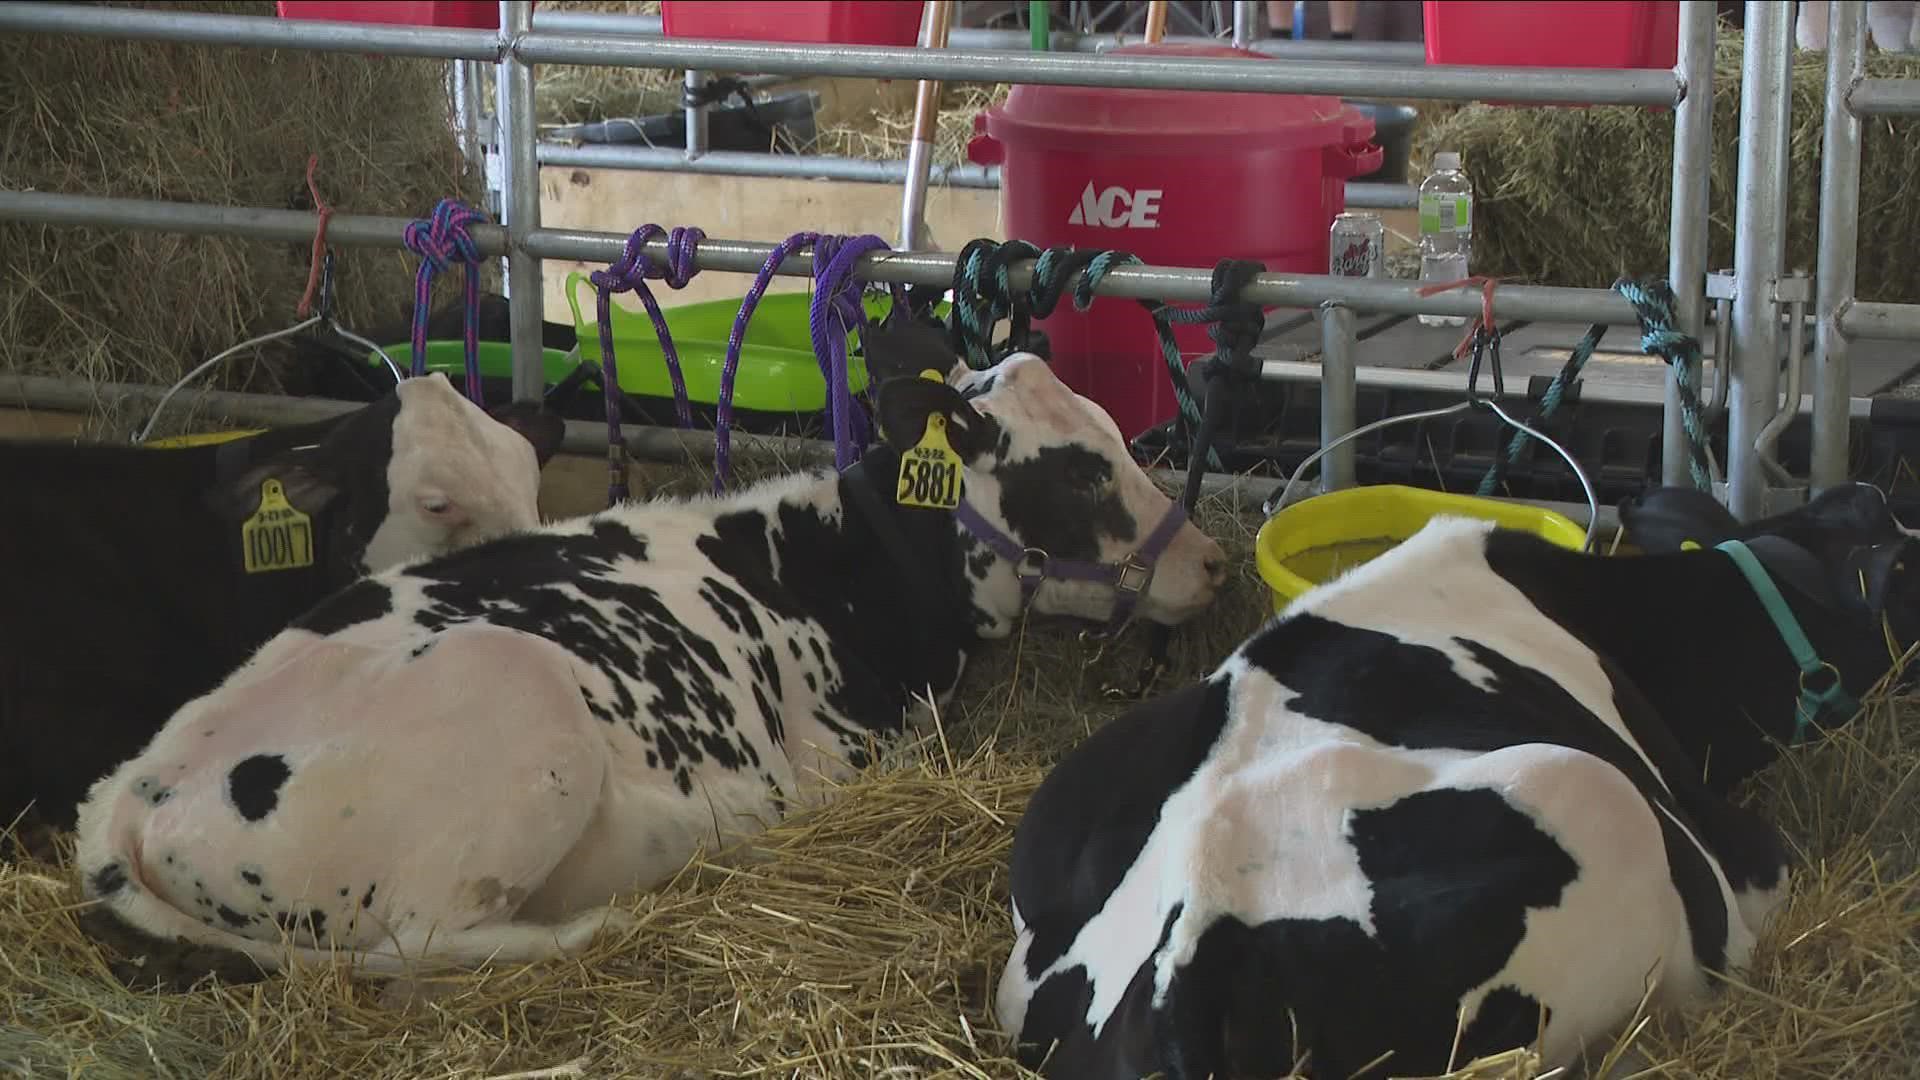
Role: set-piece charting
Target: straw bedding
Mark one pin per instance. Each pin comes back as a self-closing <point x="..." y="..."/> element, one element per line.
<point x="204" y="124"/>
<point x="865" y="939"/>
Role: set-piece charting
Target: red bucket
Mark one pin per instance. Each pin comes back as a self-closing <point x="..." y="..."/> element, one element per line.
<point x="821" y="22"/>
<point x="463" y="14"/>
<point x="1179" y="178"/>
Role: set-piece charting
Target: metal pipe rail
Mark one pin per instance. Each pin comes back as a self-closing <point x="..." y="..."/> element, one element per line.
<point x="1643" y="86"/>
<point x="1170" y="284"/>
<point x="604" y="23"/>
<point x="1881" y="97"/>
<point x="1370" y="196"/>
<point x="1454" y="83"/>
<point x="196" y="28"/>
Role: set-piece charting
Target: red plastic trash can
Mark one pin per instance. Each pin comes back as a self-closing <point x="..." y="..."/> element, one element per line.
<point x="1179" y="178"/>
<point x="464" y="14"/>
<point x="1553" y="33"/>
<point x="825" y="22"/>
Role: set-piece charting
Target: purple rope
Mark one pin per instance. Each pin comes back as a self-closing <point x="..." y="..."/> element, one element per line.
<point x="438" y="240"/>
<point x="630" y="273"/>
<point x="837" y="293"/>
<point x="723" y="419"/>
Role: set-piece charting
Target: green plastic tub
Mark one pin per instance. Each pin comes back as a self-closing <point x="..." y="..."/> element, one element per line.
<point x="496" y="360"/>
<point x="777" y="373"/>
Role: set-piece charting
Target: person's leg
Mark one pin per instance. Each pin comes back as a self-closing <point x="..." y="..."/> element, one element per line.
<point x="1891" y="23"/>
<point x="1280" y="18"/>
<point x="1340" y="18"/>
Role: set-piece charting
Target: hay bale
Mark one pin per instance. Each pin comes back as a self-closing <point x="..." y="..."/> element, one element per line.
<point x="1577" y="197"/>
<point x="866" y="938"/>
<point x="227" y="126"/>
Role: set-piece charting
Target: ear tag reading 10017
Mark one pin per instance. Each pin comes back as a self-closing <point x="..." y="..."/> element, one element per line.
<point x="930" y="469"/>
<point x="276" y="537"/>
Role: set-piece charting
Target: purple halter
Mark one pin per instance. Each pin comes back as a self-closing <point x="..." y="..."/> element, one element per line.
<point x="1129" y="577"/>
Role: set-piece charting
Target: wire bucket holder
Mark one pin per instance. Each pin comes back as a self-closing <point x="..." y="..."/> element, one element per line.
<point x="1484" y="340"/>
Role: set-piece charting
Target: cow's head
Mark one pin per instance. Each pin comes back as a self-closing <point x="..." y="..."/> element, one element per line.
<point x="420" y="472"/>
<point x="1844" y="550"/>
<point x="1045" y="469"/>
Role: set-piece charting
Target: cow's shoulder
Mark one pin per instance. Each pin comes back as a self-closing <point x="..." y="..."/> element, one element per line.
<point x="1091" y="818"/>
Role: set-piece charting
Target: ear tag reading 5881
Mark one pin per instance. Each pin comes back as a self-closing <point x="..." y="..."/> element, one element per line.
<point x="930" y="469"/>
<point x="276" y="537"/>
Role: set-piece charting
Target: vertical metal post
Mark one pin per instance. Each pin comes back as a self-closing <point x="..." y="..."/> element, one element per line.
<point x="926" y="122"/>
<point x="1339" y="394"/>
<point x="696" y="115"/>
<point x="520" y="202"/>
<point x="1244" y="18"/>
<point x="1839" y="245"/>
<point x="1758" y="248"/>
<point x="1687" y="261"/>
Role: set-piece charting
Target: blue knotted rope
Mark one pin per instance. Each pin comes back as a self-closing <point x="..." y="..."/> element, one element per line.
<point x="630" y="274"/>
<point x="1653" y="305"/>
<point x="440" y="240"/>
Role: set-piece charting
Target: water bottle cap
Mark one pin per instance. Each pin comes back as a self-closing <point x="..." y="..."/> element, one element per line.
<point x="1446" y="160"/>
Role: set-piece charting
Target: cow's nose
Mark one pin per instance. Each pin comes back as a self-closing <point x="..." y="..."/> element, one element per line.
<point x="1216" y="568"/>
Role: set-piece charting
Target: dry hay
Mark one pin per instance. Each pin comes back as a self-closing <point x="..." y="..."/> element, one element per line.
<point x="576" y="94"/>
<point x="227" y="126"/>
<point x="1579" y="196"/>
<point x="865" y="939"/>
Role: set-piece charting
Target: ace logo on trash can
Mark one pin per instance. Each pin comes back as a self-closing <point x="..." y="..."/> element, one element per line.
<point x="1118" y="208"/>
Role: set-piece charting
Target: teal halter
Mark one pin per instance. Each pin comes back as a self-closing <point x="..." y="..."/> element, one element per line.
<point x="1812" y="701"/>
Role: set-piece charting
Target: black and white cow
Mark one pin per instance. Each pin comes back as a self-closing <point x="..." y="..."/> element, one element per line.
<point x="462" y="758"/>
<point x="1455" y="786"/>
<point x="124" y="591"/>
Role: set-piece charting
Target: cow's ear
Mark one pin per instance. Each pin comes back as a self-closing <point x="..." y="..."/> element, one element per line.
<point x="537" y="424"/>
<point x="304" y="481"/>
<point x="904" y="350"/>
<point x="905" y="405"/>
<point x="1669" y="519"/>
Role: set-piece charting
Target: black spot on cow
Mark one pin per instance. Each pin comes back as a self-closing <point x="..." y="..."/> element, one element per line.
<point x="793" y="646"/>
<point x="813" y="683"/>
<point x="769" y="715"/>
<point x="345" y="889"/>
<point x="1062" y="501"/>
<point x="366" y="899"/>
<point x="233" y="918"/>
<point x="250" y="877"/>
<point x="362" y="602"/>
<point x="422" y="649"/>
<point x="291" y="923"/>
<point x="254" y="785"/>
<point x="152" y="790"/>
<point x="1101" y="803"/>
<point x="108" y="880"/>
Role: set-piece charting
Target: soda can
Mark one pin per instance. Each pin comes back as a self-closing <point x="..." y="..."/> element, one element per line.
<point x="1357" y="246"/>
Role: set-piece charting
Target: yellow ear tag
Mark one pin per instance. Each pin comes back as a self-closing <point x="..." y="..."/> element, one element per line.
<point x="276" y="537"/>
<point x="1689" y="545"/>
<point x="930" y="469"/>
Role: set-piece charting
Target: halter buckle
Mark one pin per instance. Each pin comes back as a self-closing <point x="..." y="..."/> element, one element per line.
<point x="1832" y="682"/>
<point x="1033" y="564"/>
<point x="1133" y="576"/>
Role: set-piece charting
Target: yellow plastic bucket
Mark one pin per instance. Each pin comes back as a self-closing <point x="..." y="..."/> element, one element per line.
<point x="1317" y="539"/>
<point x="175" y="442"/>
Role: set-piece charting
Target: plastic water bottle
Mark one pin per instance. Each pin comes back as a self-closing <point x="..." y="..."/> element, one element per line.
<point x="1446" y="228"/>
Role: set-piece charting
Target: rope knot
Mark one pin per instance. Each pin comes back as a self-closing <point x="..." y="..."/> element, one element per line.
<point x="441" y="240"/>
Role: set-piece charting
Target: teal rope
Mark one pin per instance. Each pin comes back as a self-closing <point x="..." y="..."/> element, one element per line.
<point x="983" y="294"/>
<point x="1653" y="304"/>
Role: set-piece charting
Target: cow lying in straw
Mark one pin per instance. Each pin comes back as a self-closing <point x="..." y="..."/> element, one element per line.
<point x="1456" y="791"/>
<point x="459" y="759"/>
<point x="135" y="579"/>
